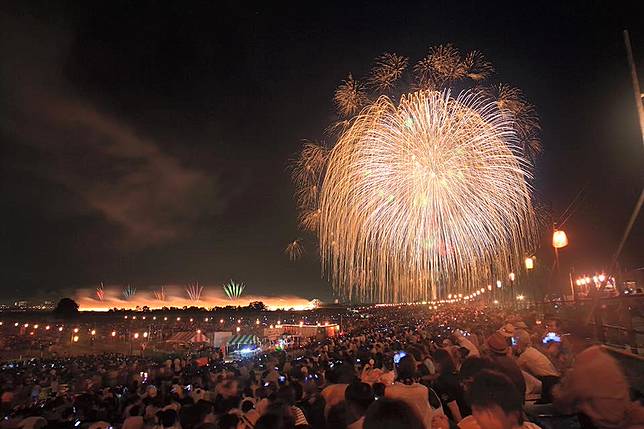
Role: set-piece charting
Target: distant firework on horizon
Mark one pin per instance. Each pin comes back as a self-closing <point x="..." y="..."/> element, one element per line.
<point x="128" y="292"/>
<point x="424" y="196"/>
<point x="160" y="294"/>
<point x="194" y="291"/>
<point x="234" y="290"/>
<point x="100" y="292"/>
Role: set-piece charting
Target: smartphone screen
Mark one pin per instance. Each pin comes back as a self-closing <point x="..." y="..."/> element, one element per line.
<point x="399" y="355"/>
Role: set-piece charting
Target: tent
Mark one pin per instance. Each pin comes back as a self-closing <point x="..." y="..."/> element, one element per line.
<point x="243" y="340"/>
<point x="245" y="345"/>
<point x="186" y="337"/>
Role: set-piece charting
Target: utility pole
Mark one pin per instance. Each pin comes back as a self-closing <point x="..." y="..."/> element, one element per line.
<point x="640" y="113"/>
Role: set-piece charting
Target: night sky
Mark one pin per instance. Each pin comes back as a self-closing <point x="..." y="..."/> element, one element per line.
<point x="148" y="142"/>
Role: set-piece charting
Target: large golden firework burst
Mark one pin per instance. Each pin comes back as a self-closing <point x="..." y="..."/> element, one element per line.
<point x="425" y="194"/>
<point x="424" y="197"/>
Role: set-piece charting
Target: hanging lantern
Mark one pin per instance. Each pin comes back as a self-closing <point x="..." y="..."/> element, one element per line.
<point x="559" y="239"/>
<point x="529" y="263"/>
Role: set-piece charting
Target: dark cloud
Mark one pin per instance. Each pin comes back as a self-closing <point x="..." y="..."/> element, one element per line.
<point x="111" y="169"/>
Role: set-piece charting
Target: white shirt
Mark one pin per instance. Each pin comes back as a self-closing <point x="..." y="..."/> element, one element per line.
<point x="416" y="396"/>
<point x="536" y="363"/>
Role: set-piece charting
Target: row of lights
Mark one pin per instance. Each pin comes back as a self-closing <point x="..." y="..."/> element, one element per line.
<point x="257" y="322"/>
<point x="452" y="298"/>
<point x="597" y="279"/>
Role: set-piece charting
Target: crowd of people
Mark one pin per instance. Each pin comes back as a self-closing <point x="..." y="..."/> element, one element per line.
<point x="391" y="367"/>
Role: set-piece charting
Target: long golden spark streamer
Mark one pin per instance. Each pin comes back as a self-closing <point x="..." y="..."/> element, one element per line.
<point x="425" y="197"/>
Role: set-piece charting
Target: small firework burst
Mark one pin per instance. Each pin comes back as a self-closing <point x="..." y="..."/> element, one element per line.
<point x="350" y="97"/>
<point x="128" y="292"/>
<point x="477" y="67"/>
<point x="309" y="220"/>
<point x="100" y="292"/>
<point x="512" y="104"/>
<point x="234" y="290"/>
<point x="294" y="250"/>
<point x="194" y="291"/>
<point x="160" y="294"/>
<point x="441" y="67"/>
<point x="506" y="97"/>
<point x="310" y="164"/>
<point x="308" y="171"/>
<point x="388" y="68"/>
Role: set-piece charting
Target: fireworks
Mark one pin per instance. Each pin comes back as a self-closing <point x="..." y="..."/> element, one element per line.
<point x="350" y="97"/>
<point x="441" y="67"/>
<point x="308" y="171"/>
<point x="427" y="196"/>
<point x="294" y="250"/>
<point x="128" y="292"/>
<point x="310" y="219"/>
<point x="387" y="70"/>
<point x="513" y="104"/>
<point x="476" y="67"/>
<point x="233" y="290"/>
<point x="160" y="294"/>
<point x="194" y="291"/>
<point x="100" y="292"/>
<point x="425" y="193"/>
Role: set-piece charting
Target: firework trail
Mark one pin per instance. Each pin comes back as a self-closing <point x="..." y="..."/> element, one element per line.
<point x="100" y="292"/>
<point x="233" y="290"/>
<point x="294" y="250"/>
<point x="426" y="192"/>
<point x="160" y="295"/>
<point x="128" y="292"/>
<point x="194" y="291"/>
